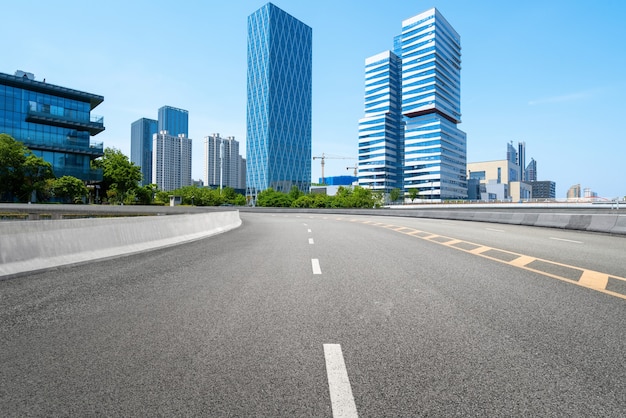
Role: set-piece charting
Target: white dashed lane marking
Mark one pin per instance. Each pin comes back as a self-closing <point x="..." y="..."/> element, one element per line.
<point x="341" y="397"/>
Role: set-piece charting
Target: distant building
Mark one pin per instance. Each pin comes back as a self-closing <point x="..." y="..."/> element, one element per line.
<point x="589" y="194"/>
<point x="543" y="189"/>
<point x="279" y="88"/>
<point x="171" y="161"/>
<point x="141" y="136"/>
<point x="574" y="192"/>
<point x="54" y="122"/>
<point x="173" y="120"/>
<point x="339" y="180"/>
<point x="496" y="180"/>
<point x="530" y="173"/>
<point x="214" y="175"/>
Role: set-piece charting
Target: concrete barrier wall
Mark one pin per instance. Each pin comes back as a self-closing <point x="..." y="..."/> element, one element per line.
<point x="27" y="246"/>
<point x="613" y="222"/>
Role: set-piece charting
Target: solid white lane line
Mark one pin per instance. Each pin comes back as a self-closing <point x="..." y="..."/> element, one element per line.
<point x="338" y="383"/>
<point x="310" y="240"/>
<point x="566" y="240"/>
<point x="494" y="230"/>
<point x="315" y="263"/>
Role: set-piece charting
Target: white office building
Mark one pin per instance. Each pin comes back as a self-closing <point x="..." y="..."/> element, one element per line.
<point x="222" y="162"/>
<point x="171" y="161"/>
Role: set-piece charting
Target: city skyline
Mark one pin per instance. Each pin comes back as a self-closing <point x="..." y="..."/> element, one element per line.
<point x="530" y="73"/>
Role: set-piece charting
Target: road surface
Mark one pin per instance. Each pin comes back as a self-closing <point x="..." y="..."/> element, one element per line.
<point x="310" y="315"/>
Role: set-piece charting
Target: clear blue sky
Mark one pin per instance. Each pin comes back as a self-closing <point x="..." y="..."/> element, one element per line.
<point x="551" y="73"/>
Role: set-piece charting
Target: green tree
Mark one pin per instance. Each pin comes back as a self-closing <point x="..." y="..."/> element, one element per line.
<point x="70" y="189"/>
<point x="413" y="194"/>
<point x="395" y="194"/>
<point x="21" y="172"/>
<point x="272" y="198"/>
<point x="120" y="175"/>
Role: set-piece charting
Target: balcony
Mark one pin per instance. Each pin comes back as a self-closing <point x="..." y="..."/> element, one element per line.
<point x="71" y="145"/>
<point x="94" y="125"/>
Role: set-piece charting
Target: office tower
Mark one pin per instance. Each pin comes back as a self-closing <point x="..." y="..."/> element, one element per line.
<point x="242" y="173"/>
<point x="511" y="153"/>
<point x="141" y="135"/>
<point x="171" y="161"/>
<point x="173" y="120"/>
<point x="381" y="131"/>
<point x="574" y="192"/>
<point x="221" y="161"/>
<point x="530" y="173"/>
<point x="278" y="152"/>
<point x="54" y="122"/>
<point x="521" y="160"/>
<point x="434" y="148"/>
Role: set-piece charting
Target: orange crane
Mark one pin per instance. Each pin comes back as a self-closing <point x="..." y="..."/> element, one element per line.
<point x="334" y="157"/>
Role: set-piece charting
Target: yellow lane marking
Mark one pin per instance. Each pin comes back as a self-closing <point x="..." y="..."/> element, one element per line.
<point x="589" y="279"/>
<point x="594" y="280"/>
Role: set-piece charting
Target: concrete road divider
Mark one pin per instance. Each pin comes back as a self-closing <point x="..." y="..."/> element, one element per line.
<point x="27" y="246"/>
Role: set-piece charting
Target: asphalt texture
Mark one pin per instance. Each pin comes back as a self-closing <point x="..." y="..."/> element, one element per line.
<point x="234" y="325"/>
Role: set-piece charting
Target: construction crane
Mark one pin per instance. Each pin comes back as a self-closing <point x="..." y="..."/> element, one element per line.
<point x="324" y="156"/>
<point x="356" y="167"/>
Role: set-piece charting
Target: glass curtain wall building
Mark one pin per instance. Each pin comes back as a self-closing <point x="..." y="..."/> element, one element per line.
<point x="381" y="131"/>
<point x="435" y="155"/>
<point x="174" y="121"/>
<point x="433" y="149"/>
<point x="141" y="136"/>
<point x="279" y="82"/>
<point x="54" y="122"/>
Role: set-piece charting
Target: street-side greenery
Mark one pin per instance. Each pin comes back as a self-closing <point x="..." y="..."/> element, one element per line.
<point x="346" y="197"/>
<point x="413" y="194"/>
<point x="22" y="173"/>
<point x="202" y="196"/>
<point x="120" y="176"/>
<point x="69" y="189"/>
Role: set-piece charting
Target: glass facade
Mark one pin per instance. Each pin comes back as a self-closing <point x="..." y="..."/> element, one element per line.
<point x="381" y="131"/>
<point x="435" y="149"/>
<point x="54" y="122"/>
<point x="141" y="133"/>
<point x="174" y="121"/>
<point x="279" y="83"/>
<point x="431" y="154"/>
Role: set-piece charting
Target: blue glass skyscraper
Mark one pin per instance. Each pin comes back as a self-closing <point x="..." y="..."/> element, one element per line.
<point x="381" y="131"/>
<point x="141" y="132"/>
<point x="174" y="121"/>
<point x="278" y="151"/>
<point x="433" y="148"/>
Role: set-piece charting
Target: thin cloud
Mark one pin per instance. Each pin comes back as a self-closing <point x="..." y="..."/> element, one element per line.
<point x="572" y="97"/>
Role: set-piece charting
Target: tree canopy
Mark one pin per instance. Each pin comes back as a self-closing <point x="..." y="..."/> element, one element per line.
<point x="120" y="176"/>
<point x="21" y="171"/>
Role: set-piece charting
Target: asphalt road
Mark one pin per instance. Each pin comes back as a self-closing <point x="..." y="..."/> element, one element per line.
<point x="296" y="315"/>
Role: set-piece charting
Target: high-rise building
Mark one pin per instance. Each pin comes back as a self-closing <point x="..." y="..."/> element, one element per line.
<point x="171" y="161"/>
<point x="530" y="174"/>
<point x="574" y="192"/>
<point x="173" y="120"/>
<point x="279" y="82"/>
<point x="222" y="162"/>
<point x="434" y="149"/>
<point x="381" y="131"/>
<point x="54" y="122"/>
<point x="521" y="160"/>
<point x="141" y="136"/>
